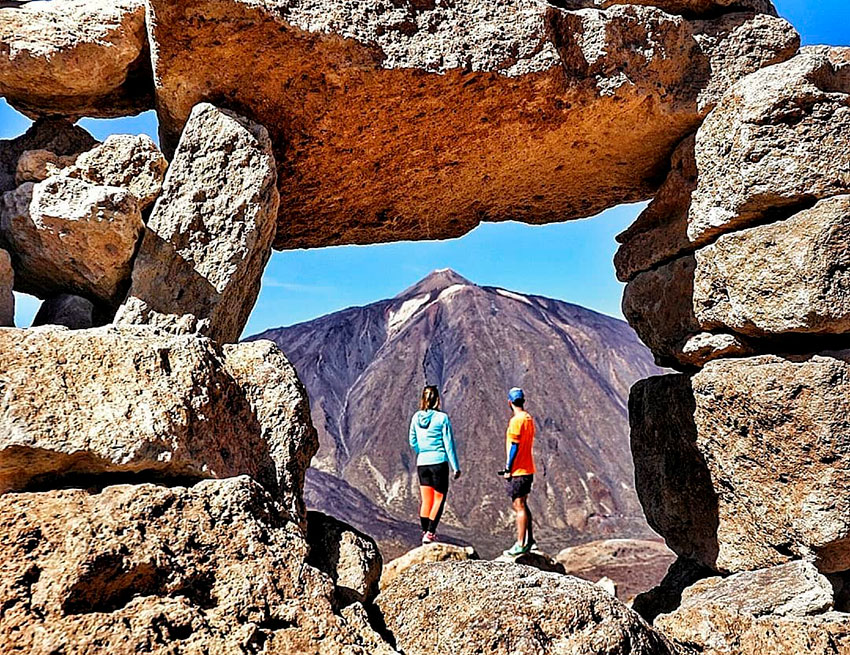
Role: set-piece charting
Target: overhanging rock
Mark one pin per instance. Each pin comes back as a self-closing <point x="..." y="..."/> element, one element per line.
<point x="419" y="120"/>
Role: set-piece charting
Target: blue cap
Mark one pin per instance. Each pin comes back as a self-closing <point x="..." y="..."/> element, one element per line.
<point x="515" y="394"/>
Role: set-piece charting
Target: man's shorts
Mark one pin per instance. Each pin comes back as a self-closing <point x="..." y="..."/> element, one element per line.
<point x="519" y="486"/>
<point x="434" y="475"/>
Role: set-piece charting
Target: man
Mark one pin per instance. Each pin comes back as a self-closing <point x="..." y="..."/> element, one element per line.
<point x="519" y="470"/>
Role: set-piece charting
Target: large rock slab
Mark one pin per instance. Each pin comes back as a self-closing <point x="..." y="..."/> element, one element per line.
<point x="783" y="610"/>
<point x="76" y="58"/>
<point x="55" y="135"/>
<point x="111" y="402"/>
<point x="776" y="142"/>
<point x="471" y="607"/>
<point x="215" y="568"/>
<point x="70" y="236"/>
<point x="426" y="554"/>
<point x="634" y="565"/>
<point x="38" y="165"/>
<point x="349" y="557"/>
<point x="209" y="235"/>
<point x="67" y="310"/>
<point x="419" y="120"/>
<point x="740" y="467"/>
<point x="132" y="162"/>
<point x="792" y="276"/>
<point x="7" y="298"/>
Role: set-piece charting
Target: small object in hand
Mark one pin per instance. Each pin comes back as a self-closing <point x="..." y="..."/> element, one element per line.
<point x="502" y="472"/>
<point x="457" y="474"/>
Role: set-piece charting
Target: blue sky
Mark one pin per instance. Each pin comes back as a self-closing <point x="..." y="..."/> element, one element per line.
<point x="571" y="261"/>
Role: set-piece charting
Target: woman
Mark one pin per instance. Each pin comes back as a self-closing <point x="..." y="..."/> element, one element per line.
<point x="432" y="440"/>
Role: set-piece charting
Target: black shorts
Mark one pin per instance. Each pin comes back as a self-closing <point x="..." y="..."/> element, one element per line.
<point x="519" y="486"/>
<point x="434" y="475"/>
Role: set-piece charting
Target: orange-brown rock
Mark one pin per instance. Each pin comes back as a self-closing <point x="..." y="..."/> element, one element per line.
<point x="216" y="568"/>
<point x="419" y="120"/>
<point x="7" y="283"/>
<point x="473" y="607"/>
<point x="633" y="565"/>
<point x="38" y="165"/>
<point x="75" y="58"/>
<point x="740" y="467"/>
<point x="783" y="610"/>
<point x="82" y="404"/>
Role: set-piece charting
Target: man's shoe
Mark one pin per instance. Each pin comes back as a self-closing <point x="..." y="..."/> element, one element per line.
<point x="516" y="550"/>
<point x="429" y="538"/>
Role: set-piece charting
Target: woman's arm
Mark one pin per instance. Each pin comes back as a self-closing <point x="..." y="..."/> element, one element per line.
<point x="411" y="437"/>
<point x="449" y="443"/>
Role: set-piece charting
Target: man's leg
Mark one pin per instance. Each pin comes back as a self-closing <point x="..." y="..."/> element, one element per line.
<point x="530" y="528"/>
<point x="522" y="518"/>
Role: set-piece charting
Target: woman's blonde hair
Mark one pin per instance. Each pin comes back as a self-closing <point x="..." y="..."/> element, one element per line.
<point x="430" y="398"/>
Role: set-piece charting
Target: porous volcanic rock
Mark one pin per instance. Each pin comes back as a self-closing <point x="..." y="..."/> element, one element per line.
<point x="776" y="142"/>
<point x="109" y="401"/>
<point x="209" y="235"/>
<point x="7" y="298"/>
<point x="72" y="312"/>
<point x="419" y="120"/>
<point x="70" y="236"/>
<point x="426" y="554"/>
<point x="132" y="162"/>
<point x="536" y="560"/>
<point x="38" y="165"/>
<point x="687" y="7"/>
<point x="349" y="557"/>
<point x="783" y="610"/>
<point x="740" y="467"/>
<point x="464" y="607"/>
<point x="76" y="58"/>
<point x="633" y="565"/>
<point x="788" y="276"/>
<point x="279" y="404"/>
<point x="667" y="596"/>
<point x="56" y="135"/>
<point x="215" y="568"/>
<point x="660" y="233"/>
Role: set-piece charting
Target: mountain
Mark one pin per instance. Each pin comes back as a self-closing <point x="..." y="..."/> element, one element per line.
<point x="364" y="369"/>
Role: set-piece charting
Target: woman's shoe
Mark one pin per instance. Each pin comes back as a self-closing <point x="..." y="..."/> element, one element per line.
<point x="429" y="538"/>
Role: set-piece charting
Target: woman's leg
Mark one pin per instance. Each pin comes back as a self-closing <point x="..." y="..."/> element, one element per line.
<point x="427" y="494"/>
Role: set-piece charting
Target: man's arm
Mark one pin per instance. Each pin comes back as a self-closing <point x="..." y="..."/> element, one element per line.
<point x="513" y="450"/>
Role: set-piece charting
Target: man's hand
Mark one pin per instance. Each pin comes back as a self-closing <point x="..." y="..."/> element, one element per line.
<point x="507" y="475"/>
<point x="457" y="474"/>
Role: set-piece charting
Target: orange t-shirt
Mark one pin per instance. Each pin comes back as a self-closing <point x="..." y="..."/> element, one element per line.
<point x="521" y="432"/>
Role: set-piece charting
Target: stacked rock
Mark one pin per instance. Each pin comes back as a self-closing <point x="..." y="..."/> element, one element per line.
<point x="739" y="276"/>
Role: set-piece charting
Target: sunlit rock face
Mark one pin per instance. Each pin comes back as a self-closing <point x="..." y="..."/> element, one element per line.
<point x="409" y="120"/>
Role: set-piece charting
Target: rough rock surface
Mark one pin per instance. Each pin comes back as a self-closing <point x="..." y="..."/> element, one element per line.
<point x="215" y="568"/>
<point x="667" y="596"/>
<point x="687" y="7"/>
<point x="419" y="120"/>
<point x="70" y="236"/>
<point x="56" y="135"/>
<point x="792" y="276"/>
<point x="350" y="558"/>
<point x="535" y="560"/>
<point x="127" y="161"/>
<point x="7" y="298"/>
<point x="459" y="607"/>
<point x="783" y="610"/>
<point x="660" y="233"/>
<point x="112" y="401"/>
<point x="633" y="565"/>
<point x="72" y="312"/>
<point x="76" y="58"/>
<point x="209" y="236"/>
<point x="732" y="465"/>
<point x="38" y="165"/>
<point x="427" y="554"/>
<point x="777" y="141"/>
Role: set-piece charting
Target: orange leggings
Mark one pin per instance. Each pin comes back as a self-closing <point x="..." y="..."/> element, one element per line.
<point x="432" y="501"/>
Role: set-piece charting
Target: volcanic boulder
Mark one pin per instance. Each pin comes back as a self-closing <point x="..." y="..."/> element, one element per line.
<point x="7" y="298"/>
<point x="117" y="401"/>
<point x="688" y="7"/>
<point x="72" y="312"/>
<point x="38" y="165"/>
<point x="426" y="554"/>
<point x="215" y="568"/>
<point x="71" y="236"/>
<point x="733" y="465"/>
<point x="209" y="236"/>
<point x="419" y="120"/>
<point x="456" y="607"/>
<point x="76" y="58"/>
<point x="783" y="610"/>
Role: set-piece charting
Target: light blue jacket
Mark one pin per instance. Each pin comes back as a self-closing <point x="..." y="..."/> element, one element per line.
<point x="432" y="440"/>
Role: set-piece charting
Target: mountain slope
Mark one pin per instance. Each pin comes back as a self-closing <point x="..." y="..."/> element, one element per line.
<point x="364" y="368"/>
